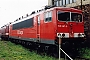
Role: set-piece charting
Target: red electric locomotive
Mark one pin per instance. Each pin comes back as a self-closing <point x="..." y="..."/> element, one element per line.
<point x="47" y="25"/>
<point x="4" y="32"/>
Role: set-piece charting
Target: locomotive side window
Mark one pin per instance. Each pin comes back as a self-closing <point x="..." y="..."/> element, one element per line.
<point x="24" y="24"/>
<point x="63" y="16"/>
<point x="48" y="16"/>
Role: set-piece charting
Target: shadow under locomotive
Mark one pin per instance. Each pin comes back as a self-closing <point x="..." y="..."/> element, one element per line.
<point x="73" y="46"/>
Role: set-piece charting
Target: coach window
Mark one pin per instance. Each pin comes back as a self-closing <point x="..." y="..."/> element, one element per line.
<point x="48" y="16"/>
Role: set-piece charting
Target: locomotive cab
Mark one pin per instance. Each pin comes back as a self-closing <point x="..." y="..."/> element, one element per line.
<point x="70" y="23"/>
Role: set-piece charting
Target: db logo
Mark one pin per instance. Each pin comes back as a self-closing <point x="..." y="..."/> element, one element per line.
<point x="19" y="32"/>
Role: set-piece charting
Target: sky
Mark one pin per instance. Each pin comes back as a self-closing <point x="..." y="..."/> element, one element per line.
<point x="10" y="10"/>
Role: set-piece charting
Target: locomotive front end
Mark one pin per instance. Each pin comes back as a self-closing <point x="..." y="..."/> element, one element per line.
<point x="70" y="30"/>
<point x="70" y="24"/>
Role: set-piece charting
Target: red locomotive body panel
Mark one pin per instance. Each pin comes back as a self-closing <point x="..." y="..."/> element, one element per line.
<point x="45" y="26"/>
<point x="24" y="32"/>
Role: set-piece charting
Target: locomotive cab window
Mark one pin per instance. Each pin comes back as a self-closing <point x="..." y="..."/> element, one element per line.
<point x="69" y="16"/>
<point x="63" y="16"/>
<point x="24" y="24"/>
<point x="76" y="17"/>
<point x="48" y="16"/>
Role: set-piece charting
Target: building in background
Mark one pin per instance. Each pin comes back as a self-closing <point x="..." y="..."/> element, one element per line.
<point x="68" y="3"/>
<point x="60" y="2"/>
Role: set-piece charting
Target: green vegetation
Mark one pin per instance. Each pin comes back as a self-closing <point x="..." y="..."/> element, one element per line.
<point x="10" y="51"/>
<point x="85" y="53"/>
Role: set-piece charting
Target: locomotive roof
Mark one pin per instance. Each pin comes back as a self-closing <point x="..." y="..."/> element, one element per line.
<point x="45" y="10"/>
<point x="66" y="9"/>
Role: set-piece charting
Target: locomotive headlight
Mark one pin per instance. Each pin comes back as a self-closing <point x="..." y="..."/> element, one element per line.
<point x="83" y="35"/>
<point x="58" y="34"/>
<point x="79" y="35"/>
<point x="63" y="35"/>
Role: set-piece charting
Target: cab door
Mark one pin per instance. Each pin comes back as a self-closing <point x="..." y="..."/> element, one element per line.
<point x="38" y="28"/>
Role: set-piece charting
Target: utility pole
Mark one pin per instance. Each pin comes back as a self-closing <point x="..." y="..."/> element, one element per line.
<point x="81" y="4"/>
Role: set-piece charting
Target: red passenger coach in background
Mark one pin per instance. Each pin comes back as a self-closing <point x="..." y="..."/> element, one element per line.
<point x="4" y="32"/>
<point x="45" y="26"/>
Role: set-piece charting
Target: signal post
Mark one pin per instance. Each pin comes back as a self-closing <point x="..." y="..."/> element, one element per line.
<point x="59" y="47"/>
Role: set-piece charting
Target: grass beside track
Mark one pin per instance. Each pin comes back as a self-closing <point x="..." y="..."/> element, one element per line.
<point x="85" y="53"/>
<point x="11" y="51"/>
